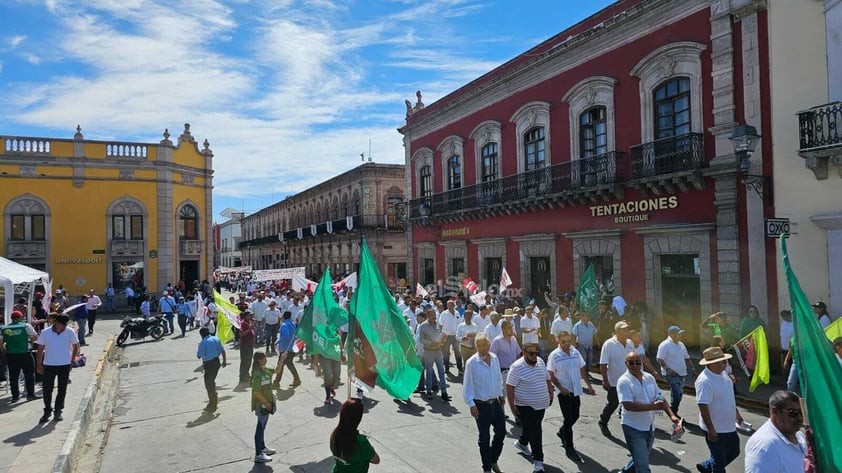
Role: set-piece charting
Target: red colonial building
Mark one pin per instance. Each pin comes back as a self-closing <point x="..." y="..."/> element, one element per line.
<point x="606" y="144"/>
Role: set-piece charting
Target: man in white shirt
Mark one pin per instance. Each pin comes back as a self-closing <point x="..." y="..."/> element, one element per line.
<point x="259" y="307"/>
<point x="529" y="325"/>
<point x="493" y="329"/>
<point x="411" y="312"/>
<point x="465" y="333"/>
<point x="530" y="392"/>
<point x="612" y="364"/>
<point x="562" y="323"/>
<point x="272" y="318"/>
<point x="93" y="303"/>
<point x="675" y="363"/>
<point x="567" y="371"/>
<point x="57" y="347"/>
<point x="641" y="398"/>
<point x="296" y="309"/>
<point x="718" y="414"/>
<point x="483" y="393"/>
<point x="778" y="446"/>
<point x="482" y="319"/>
<point x="449" y="320"/>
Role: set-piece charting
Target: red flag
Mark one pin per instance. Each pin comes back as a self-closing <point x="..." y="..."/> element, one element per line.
<point x="470" y="285"/>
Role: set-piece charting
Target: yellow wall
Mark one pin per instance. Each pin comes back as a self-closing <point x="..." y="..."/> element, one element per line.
<point x="798" y="72"/>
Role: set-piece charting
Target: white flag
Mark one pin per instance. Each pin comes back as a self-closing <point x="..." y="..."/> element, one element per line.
<point x="478" y="298"/>
<point x="48" y="296"/>
<point x="505" y="280"/>
<point x="420" y="291"/>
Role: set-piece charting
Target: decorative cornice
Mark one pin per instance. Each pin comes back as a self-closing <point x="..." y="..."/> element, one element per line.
<point x="676" y="228"/>
<point x="594" y="234"/>
<point x="535" y="237"/>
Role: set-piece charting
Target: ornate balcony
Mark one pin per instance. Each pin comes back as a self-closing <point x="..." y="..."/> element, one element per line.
<point x="395" y="221"/>
<point x="821" y="138"/>
<point x="127" y="248"/>
<point x="26" y="249"/>
<point x="580" y="181"/>
<point x="190" y="248"/>
<point x="667" y="155"/>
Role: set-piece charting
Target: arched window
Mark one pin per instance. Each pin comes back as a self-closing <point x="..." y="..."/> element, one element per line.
<point x="26" y="219"/>
<point x="425" y="185"/>
<point x="188" y="223"/>
<point x="593" y="133"/>
<point x="534" y="148"/>
<point x="672" y="108"/>
<point x="489" y="162"/>
<point x="126" y="219"/>
<point x="454" y="173"/>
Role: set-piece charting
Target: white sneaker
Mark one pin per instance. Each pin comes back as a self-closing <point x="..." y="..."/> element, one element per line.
<point x="522" y="448"/>
<point x="262" y="458"/>
<point x="269" y="451"/>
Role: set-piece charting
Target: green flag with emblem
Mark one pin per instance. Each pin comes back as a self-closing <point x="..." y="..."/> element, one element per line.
<point x="384" y="348"/>
<point x="587" y="296"/>
<point x="321" y="320"/>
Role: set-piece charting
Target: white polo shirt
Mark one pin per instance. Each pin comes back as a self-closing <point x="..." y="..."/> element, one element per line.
<point x="481" y="322"/>
<point x="645" y="391"/>
<point x="463" y="330"/>
<point x="613" y="354"/>
<point x="560" y="325"/>
<point x="717" y="391"/>
<point x="58" y="347"/>
<point x="674" y="356"/>
<point x="567" y="369"/>
<point x="768" y="451"/>
<point x="449" y="321"/>
<point x="527" y="322"/>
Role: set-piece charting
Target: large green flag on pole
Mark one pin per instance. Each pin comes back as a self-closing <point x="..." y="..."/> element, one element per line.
<point x="321" y="320"/>
<point x="383" y="347"/>
<point x="819" y="373"/>
<point x="587" y="296"/>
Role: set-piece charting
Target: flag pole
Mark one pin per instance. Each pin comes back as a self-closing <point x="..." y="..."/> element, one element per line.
<point x="352" y="328"/>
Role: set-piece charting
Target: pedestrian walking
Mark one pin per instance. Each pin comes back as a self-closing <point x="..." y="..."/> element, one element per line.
<point x="184" y="313"/>
<point x="612" y="362"/>
<point x="272" y="317"/>
<point x="779" y="446"/>
<point x="641" y="398"/>
<point x="432" y="339"/>
<point x="80" y="316"/>
<point x="57" y="347"/>
<point x="14" y="342"/>
<point x="585" y="331"/>
<point x="675" y="364"/>
<point x="286" y="341"/>
<point x="483" y="393"/>
<point x="718" y="414"/>
<point x="530" y="392"/>
<point x="247" y="340"/>
<point x="449" y="321"/>
<point x="109" y="298"/>
<point x="93" y="304"/>
<point x="465" y="333"/>
<point x="210" y="348"/>
<point x="167" y="305"/>
<point x="352" y="452"/>
<point x="567" y="371"/>
<point x="263" y="405"/>
<point x="331" y="370"/>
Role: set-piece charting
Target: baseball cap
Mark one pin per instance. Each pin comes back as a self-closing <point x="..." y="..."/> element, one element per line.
<point x="675" y="329"/>
<point x="621" y="325"/>
<point x="16" y="314"/>
<point x="820" y="305"/>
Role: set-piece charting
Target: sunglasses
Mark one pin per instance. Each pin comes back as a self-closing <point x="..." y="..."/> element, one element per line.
<point x="794" y="413"/>
<point x="530" y="353"/>
<point x="634" y="362"/>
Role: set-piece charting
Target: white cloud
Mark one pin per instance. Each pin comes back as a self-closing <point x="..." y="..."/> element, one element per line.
<point x="33" y="59"/>
<point x="15" y="41"/>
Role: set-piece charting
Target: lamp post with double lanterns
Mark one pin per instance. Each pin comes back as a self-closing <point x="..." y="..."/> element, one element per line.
<point x="744" y="138"/>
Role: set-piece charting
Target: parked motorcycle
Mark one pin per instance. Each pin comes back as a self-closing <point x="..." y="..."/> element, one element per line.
<point x="140" y="328"/>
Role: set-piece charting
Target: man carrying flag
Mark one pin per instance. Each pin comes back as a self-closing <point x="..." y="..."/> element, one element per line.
<point x="319" y="330"/>
<point x="587" y="296"/>
<point x="753" y="355"/>
<point x="382" y="347"/>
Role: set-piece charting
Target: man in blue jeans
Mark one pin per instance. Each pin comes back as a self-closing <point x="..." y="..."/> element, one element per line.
<point x="718" y="415"/>
<point x="675" y="364"/>
<point x="641" y="398"/>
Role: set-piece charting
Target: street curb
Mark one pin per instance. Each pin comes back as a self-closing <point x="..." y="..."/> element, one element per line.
<point x="79" y="426"/>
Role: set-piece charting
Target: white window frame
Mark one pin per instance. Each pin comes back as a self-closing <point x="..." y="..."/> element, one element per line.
<point x="422" y="157"/>
<point x="680" y="59"/>
<point x="452" y="146"/>
<point x="528" y="116"/>
<point x="596" y="91"/>
<point x="489" y="131"/>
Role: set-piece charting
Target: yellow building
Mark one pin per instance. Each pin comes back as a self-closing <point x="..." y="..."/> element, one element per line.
<point x="97" y="212"/>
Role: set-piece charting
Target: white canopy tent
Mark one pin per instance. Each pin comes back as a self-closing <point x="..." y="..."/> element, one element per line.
<point x="15" y="279"/>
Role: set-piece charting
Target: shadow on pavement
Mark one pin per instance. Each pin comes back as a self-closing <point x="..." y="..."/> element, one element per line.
<point x="324" y="466"/>
<point x="591" y="465"/>
<point x="328" y="411"/>
<point x="242" y="387"/>
<point x="660" y="456"/>
<point x="28" y="437"/>
<point x="369" y="404"/>
<point x="284" y="394"/>
<point x="204" y="418"/>
<point x="409" y="407"/>
<point x="261" y="468"/>
<point x="436" y="406"/>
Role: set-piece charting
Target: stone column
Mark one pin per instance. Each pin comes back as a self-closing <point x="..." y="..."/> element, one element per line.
<point x="167" y="254"/>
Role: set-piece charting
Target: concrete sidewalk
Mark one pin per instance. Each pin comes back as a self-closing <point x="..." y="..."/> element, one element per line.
<point x="30" y="447"/>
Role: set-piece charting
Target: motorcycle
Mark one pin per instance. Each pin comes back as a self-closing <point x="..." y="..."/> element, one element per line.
<point x="140" y="328"/>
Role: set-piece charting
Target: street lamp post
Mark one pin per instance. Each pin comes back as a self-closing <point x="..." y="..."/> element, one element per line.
<point x="744" y="138"/>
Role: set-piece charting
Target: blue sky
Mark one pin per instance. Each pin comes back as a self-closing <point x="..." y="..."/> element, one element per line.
<point x="287" y="92"/>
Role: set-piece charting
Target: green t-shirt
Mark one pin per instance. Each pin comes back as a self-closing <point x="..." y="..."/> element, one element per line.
<point x="748" y="324"/>
<point x="261" y="381"/>
<point x="16" y="338"/>
<point x="362" y="453"/>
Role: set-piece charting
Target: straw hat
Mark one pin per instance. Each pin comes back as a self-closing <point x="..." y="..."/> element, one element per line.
<point x="509" y="313"/>
<point x="714" y="355"/>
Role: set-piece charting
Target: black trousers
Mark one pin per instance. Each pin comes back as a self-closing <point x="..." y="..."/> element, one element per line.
<point x="51" y="373"/>
<point x="21" y="362"/>
<point x="246" y="354"/>
<point x="288" y="364"/>
<point x="490" y="416"/>
<point x="91" y="320"/>
<point x="211" y="369"/>
<point x="613" y="402"/>
<point x="570" y="406"/>
<point x="531" y="433"/>
<point x="182" y="324"/>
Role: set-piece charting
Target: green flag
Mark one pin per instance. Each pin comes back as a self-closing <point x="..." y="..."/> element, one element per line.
<point x="226" y="318"/>
<point x="587" y="296"/>
<point x="384" y="348"/>
<point x="819" y="373"/>
<point x="321" y="321"/>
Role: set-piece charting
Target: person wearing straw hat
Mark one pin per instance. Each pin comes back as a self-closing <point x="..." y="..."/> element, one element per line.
<point x="718" y="414"/>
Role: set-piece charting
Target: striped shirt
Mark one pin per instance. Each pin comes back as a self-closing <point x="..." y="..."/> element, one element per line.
<point x="530" y="383"/>
<point x="567" y="368"/>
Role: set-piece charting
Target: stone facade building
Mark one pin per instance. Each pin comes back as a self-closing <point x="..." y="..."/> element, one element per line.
<point x="321" y="227"/>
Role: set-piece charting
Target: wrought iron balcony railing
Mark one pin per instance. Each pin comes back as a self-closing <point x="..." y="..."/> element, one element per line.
<point x="820" y="127"/>
<point x="673" y="154"/>
<point x="393" y="221"/>
<point x="579" y="174"/>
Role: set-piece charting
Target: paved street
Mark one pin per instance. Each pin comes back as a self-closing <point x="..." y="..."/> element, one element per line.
<point x="159" y="426"/>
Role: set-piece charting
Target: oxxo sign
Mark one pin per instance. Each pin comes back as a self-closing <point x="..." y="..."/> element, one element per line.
<point x="776" y="227"/>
